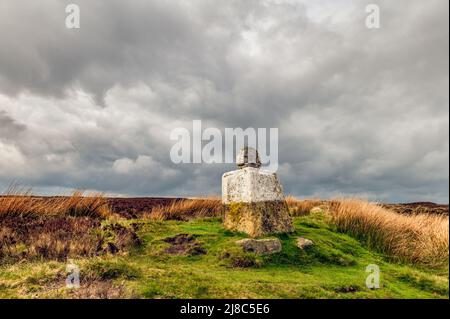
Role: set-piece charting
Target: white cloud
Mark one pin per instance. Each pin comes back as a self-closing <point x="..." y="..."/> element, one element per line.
<point x="127" y="165"/>
<point x="12" y="160"/>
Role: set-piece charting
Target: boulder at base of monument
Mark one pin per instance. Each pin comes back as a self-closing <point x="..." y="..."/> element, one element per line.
<point x="260" y="246"/>
<point x="253" y="200"/>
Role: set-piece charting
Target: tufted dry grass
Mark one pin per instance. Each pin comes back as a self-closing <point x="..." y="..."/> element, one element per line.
<point x="185" y="209"/>
<point x="420" y="238"/>
<point x="24" y="204"/>
<point x="303" y="207"/>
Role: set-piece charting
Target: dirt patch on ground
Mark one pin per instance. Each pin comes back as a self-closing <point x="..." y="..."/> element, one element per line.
<point x="184" y="244"/>
<point x="241" y="260"/>
<point x="347" y="289"/>
<point x="123" y="237"/>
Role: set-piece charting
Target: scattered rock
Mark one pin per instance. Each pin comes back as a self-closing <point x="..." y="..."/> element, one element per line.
<point x="260" y="246"/>
<point x="184" y="244"/>
<point x="347" y="289"/>
<point x="304" y="242"/>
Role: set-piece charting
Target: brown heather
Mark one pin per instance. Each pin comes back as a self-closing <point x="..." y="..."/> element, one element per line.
<point x="185" y="209"/>
<point x="55" y="228"/>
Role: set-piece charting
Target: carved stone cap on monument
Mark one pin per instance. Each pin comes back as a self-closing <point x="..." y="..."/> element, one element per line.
<point x="248" y="157"/>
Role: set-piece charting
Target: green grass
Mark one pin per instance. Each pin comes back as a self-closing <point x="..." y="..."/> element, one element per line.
<point x="333" y="268"/>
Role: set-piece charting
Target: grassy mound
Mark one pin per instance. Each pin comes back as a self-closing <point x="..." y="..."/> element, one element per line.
<point x="335" y="267"/>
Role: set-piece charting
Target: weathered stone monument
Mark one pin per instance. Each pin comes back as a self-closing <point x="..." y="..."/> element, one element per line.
<point x="253" y="198"/>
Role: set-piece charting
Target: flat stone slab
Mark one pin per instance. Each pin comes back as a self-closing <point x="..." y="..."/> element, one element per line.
<point x="260" y="246"/>
<point x="302" y="242"/>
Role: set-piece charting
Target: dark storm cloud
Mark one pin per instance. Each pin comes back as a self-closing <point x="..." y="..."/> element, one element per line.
<point x="359" y="111"/>
<point x="9" y="128"/>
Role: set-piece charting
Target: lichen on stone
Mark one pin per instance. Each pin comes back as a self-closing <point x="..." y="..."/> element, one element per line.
<point x="258" y="219"/>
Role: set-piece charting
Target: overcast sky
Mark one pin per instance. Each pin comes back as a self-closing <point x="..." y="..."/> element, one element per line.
<point x="360" y="111"/>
